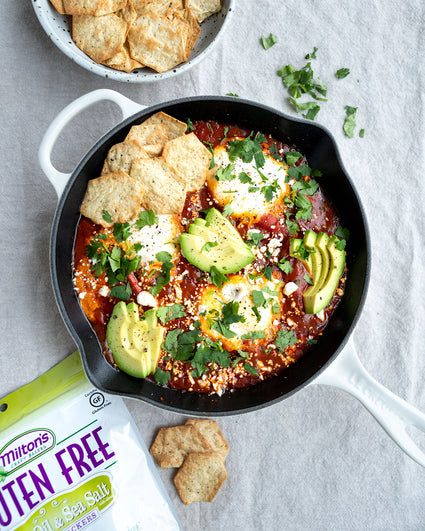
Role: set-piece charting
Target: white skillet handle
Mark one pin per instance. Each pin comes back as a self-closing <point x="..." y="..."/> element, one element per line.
<point x="57" y="178"/>
<point x="393" y="413"/>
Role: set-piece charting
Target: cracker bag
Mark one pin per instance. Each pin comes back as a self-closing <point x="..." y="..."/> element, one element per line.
<point x="71" y="458"/>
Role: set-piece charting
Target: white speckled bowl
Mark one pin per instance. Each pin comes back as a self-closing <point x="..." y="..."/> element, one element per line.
<point x="58" y="28"/>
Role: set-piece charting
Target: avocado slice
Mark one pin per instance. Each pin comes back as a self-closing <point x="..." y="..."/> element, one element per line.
<point x="325" y="264"/>
<point x="135" y="344"/>
<point x="320" y="298"/>
<point x="230" y="254"/>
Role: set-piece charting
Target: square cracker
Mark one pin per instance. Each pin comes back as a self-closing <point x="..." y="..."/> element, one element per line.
<point x="212" y="433"/>
<point x="200" y="477"/>
<point x="117" y="193"/>
<point x="174" y="127"/>
<point x="123" y="61"/>
<point x="121" y="156"/>
<point x="148" y="133"/>
<point x="203" y="9"/>
<point x="92" y="7"/>
<point x="164" y="191"/>
<point x="190" y="159"/>
<point x="99" y="37"/>
<point x="155" y="42"/>
<point x="172" y="445"/>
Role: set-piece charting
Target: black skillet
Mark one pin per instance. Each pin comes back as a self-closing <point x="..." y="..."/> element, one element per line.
<point x="318" y="146"/>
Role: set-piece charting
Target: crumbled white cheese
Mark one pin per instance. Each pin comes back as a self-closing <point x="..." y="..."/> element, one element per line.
<point x="104" y="291"/>
<point x="321" y="314"/>
<point x="290" y="288"/>
<point x="144" y="298"/>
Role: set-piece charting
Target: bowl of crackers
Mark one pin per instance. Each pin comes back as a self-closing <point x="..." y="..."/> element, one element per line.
<point x="134" y="41"/>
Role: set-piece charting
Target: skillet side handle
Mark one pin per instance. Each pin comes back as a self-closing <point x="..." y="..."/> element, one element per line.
<point x="57" y="178"/>
<point x="393" y="413"/>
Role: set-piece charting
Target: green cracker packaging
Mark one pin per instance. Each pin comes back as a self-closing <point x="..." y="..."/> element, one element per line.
<point x="71" y="458"/>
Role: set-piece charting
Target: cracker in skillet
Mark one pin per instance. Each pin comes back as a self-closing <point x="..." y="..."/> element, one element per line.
<point x="172" y="445"/>
<point x="212" y="433"/>
<point x="117" y="193"/>
<point x="155" y="41"/>
<point x="121" y="156"/>
<point x="203" y="9"/>
<point x="92" y="7"/>
<point x="174" y="127"/>
<point x="200" y="477"/>
<point x="190" y="158"/>
<point x="152" y="136"/>
<point x="164" y="191"/>
<point x="99" y="37"/>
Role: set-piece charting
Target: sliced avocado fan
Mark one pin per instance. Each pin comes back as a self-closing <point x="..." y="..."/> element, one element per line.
<point x="134" y="343"/>
<point x="215" y="242"/>
<point x="325" y="264"/>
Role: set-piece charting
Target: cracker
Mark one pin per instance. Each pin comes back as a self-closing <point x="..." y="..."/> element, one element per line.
<point x="123" y="61"/>
<point x="191" y="30"/>
<point x="172" y="445"/>
<point x="128" y="14"/>
<point x="92" y="7"/>
<point x="212" y="433"/>
<point x="190" y="159"/>
<point x="58" y="5"/>
<point x="149" y="133"/>
<point x="161" y="7"/>
<point x="200" y="477"/>
<point x="117" y="193"/>
<point x="174" y="127"/>
<point x="121" y="156"/>
<point x="203" y="9"/>
<point x="164" y="191"/>
<point x="99" y="37"/>
<point x="154" y="41"/>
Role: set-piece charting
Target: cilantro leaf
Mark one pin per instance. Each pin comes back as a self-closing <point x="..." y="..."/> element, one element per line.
<point x="122" y="292"/>
<point x="256" y="237"/>
<point x="292" y="227"/>
<point x="247" y="149"/>
<point x="285" y="339"/>
<point x="217" y="278"/>
<point x="164" y="278"/>
<point x="285" y="266"/>
<point x="342" y="73"/>
<point x="227" y="210"/>
<point x="269" y="41"/>
<point x="146" y="217"/>
<point x="361" y="133"/>
<point x="168" y="313"/>
<point x="306" y="187"/>
<point x="312" y="55"/>
<point x="225" y="174"/>
<point x="106" y="216"/>
<point x="190" y="126"/>
<point x="249" y="368"/>
<point x="304" y="207"/>
<point x="292" y="157"/>
<point x="170" y="343"/>
<point x="208" y="246"/>
<point x="254" y="334"/>
<point x="350" y="121"/>
<point x="161" y="377"/>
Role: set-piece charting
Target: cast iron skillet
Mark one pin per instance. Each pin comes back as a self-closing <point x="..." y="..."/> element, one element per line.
<point x="317" y="144"/>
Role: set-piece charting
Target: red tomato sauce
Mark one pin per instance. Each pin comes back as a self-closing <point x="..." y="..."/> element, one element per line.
<point x="267" y="360"/>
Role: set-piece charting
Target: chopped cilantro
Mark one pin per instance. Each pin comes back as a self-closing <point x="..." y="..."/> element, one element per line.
<point x="217" y="278"/>
<point x="123" y="292"/>
<point x="269" y="41"/>
<point x="106" y="216"/>
<point x="249" y="368"/>
<point x="269" y="191"/>
<point x="161" y="377"/>
<point x="208" y="246"/>
<point x="247" y="149"/>
<point x="254" y="334"/>
<point x="146" y="217"/>
<point x="308" y="279"/>
<point x="244" y="178"/>
<point x="350" y="121"/>
<point x="121" y="231"/>
<point x="342" y="72"/>
<point x="190" y="126"/>
<point x="228" y="209"/>
<point x="168" y="313"/>
<point x="311" y="341"/>
<point x="164" y="278"/>
<point x="232" y="94"/>
<point x="292" y="227"/>
<point x="361" y="133"/>
<point x="284" y="339"/>
<point x="292" y="157"/>
<point x="256" y="237"/>
<point x="342" y="232"/>
<point x="304" y="207"/>
<point x="225" y="174"/>
<point x="306" y="187"/>
<point x="312" y="55"/>
<point x="285" y="265"/>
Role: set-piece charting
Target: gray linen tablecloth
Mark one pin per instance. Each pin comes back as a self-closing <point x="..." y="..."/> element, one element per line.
<point x="318" y="460"/>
